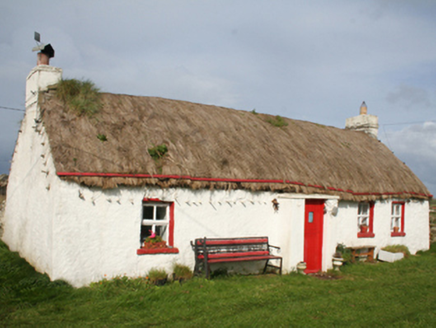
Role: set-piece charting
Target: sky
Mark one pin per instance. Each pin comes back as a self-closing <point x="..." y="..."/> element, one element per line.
<point x="309" y="60"/>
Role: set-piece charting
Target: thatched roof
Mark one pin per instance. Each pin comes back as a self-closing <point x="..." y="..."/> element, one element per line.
<point x="216" y="147"/>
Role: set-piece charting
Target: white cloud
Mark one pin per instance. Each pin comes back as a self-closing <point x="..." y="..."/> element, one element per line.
<point x="416" y="146"/>
<point x="410" y="97"/>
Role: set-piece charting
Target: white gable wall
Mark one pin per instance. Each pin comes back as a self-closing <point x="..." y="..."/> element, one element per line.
<point x="30" y="199"/>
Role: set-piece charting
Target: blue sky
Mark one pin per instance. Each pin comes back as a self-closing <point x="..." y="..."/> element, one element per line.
<point x="312" y="60"/>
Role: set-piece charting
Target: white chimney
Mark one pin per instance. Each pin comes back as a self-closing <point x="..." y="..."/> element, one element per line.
<point x="42" y="75"/>
<point x="363" y="122"/>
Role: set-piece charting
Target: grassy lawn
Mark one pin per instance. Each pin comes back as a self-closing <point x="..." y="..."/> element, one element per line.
<point x="401" y="294"/>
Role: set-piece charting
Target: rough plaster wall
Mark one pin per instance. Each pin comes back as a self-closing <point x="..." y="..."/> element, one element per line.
<point x="416" y="226"/>
<point x="31" y="191"/>
<point x="101" y="239"/>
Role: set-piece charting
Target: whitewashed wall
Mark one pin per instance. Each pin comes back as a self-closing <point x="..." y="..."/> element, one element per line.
<point x="29" y="205"/>
<point x="344" y="226"/>
<point x="97" y="234"/>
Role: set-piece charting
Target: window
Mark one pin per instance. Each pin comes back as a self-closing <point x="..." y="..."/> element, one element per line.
<point x="397" y="219"/>
<point x="365" y="220"/>
<point x="157" y="222"/>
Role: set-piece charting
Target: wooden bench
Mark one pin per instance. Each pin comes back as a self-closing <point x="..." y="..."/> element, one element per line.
<point x="360" y="251"/>
<point x="221" y="250"/>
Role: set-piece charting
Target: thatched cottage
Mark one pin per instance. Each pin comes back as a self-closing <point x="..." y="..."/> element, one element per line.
<point x="86" y="191"/>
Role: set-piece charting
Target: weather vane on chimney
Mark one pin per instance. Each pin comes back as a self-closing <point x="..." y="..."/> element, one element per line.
<point x="45" y="51"/>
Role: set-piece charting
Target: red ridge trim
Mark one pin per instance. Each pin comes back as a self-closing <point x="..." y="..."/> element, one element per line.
<point x="315" y="186"/>
<point x="187" y="177"/>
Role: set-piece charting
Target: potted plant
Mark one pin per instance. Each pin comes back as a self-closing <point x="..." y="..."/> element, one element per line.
<point x="301" y="266"/>
<point x="396" y="229"/>
<point x="338" y="260"/>
<point x="363" y="228"/>
<point x="342" y="255"/>
<point x="154" y="242"/>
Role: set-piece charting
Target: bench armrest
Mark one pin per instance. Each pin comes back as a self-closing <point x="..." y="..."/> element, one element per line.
<point x="276" y="247"/>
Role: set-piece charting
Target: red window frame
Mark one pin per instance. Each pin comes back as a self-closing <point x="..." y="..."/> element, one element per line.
<point x="170" y="249"/>
<point x="370" y="233"/>
<point x="401" y="232"/>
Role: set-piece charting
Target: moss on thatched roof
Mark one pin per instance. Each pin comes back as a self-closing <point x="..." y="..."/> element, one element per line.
<point x="216" y="147"/>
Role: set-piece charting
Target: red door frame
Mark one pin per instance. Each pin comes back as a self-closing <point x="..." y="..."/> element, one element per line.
<point x="313" y="234"/>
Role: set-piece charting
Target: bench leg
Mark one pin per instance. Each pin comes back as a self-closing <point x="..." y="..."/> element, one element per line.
<point x="207" y="270"/>
<point x="266" y="265"/>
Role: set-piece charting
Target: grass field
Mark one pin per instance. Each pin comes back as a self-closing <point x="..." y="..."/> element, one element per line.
<point x="400" y="294"/>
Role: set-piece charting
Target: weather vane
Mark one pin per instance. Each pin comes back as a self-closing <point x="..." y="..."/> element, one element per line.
<point x="46" y="51"/>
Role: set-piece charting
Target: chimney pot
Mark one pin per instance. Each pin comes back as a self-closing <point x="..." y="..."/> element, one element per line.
<point x="42" y="59"/>
<point x="363" y="109"/>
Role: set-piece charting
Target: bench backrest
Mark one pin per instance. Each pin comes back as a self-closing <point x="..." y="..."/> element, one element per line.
<point x="231" y="245"/>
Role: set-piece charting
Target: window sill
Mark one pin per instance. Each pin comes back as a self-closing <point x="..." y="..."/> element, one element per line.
<point x="398" y="234"/>
<point x="365" y="235"/>
<point x="168" y="250"/>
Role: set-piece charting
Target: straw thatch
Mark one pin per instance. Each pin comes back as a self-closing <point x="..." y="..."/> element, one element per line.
<point x="206" y="141"/>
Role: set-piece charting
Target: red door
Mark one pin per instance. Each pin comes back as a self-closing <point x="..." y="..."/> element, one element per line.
<point x="313" y="226"/>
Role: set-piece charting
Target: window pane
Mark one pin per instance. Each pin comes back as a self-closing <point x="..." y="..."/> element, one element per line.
<point x="396" y="209"/>
<point x="145" y="232"/>
<point x="161" y="213"/>
<point x="147" y="212"/>
<point x="363" y="209"/>
<point x="310" y="217"/>
<point x="162" y="231"/>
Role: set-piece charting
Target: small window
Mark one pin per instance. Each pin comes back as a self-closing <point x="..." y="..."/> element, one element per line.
<point x="155" y="220"/>
<point x="365" y="220"/>
<point x="397" y="219"/>
<point x="157" y="228"/>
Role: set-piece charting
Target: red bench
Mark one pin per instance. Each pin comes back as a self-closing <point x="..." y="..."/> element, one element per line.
<point x="221" y="250"/>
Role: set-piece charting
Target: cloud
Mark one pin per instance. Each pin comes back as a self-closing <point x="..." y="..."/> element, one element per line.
<point x="416" y="146"/>
<point x="407" y="97"/>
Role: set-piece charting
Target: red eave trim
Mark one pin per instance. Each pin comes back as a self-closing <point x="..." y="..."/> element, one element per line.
<point x="187" y="177"/>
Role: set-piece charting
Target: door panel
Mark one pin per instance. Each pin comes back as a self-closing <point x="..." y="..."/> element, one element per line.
<point x="313" y="234"/>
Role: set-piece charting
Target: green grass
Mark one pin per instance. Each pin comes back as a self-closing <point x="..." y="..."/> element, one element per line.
<point x="82" y="97"/>
<point x="400" y="294"/>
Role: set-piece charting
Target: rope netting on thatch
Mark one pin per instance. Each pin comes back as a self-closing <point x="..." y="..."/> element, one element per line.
<point x="237" y="148"/>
